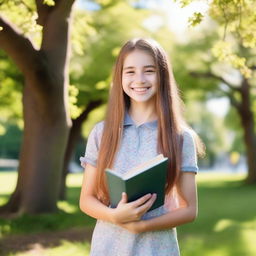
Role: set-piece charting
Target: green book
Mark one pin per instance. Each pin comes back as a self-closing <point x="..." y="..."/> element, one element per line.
<point x="149" y="177"/>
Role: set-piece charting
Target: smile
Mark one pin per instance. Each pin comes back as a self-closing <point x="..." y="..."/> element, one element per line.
<point x="140" y="89"/>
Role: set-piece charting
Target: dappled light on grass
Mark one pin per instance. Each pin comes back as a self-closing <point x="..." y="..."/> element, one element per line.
<point x="226" y="223"/>
<point x="248" y="235"/>
<point x="69" y="215"/>
<point x="74" y="180"/>
<point x="65" y="248"/>
<point x="3" y="199"/>
<point x="223" y="224"/>
<point x="218" y="179"/>
<point x="66" y="207"/>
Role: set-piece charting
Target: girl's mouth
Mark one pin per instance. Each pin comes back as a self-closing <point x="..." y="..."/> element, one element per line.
<point x="140" y="89"/>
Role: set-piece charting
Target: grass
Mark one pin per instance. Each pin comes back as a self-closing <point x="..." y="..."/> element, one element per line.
<point x="70" y="216"/>
<point x="226" y="224"/>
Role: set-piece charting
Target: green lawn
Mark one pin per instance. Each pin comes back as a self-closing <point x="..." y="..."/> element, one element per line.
<point x="226" y="224"/>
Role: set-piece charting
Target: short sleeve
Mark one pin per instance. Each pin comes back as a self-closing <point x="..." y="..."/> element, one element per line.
<point x="92" y="148"/>
<point x="189" y="155"/>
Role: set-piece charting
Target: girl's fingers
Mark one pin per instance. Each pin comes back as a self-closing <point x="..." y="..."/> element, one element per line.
<point x="141" y="200"/>
<point x="123" y="198"/>
<point x="145" y="207"/>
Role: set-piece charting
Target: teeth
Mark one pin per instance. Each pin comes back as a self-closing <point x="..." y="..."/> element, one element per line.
<point x="140" y="89"/>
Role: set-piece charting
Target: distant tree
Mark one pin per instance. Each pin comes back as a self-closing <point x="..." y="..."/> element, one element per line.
<point x="233" y="55"/>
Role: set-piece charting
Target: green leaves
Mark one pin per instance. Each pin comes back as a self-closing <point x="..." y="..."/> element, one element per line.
<point x="195" y="19"/>
<point x="223" y="51"/>
<point x="23" y="15"/>
<point x="183" y="3"/>
<point x="236" y="22"/>
<point x="75" y="111"/>
<point x="249" y="39"/>
<point x="49" y="2"/>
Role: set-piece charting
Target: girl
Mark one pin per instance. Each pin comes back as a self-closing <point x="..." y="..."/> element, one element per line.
<point x="143" y="119"/>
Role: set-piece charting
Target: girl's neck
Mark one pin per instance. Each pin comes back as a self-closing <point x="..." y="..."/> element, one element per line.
<point x="142" y="113"/>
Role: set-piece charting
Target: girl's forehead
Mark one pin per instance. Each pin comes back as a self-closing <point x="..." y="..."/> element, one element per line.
<point x="138" y="58"/>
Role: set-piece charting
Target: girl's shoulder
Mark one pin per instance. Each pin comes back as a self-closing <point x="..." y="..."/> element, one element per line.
<point x="97" y="129"/>
<point x="99" y="126"/>
<point x="188" y="133"/>
<point x="193" y="141"/>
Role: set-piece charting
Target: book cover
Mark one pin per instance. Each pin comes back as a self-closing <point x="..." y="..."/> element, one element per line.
<point x="149" y="177"/>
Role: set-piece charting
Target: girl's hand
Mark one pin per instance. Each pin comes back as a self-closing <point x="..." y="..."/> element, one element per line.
<point x="127" y="212"/>
<point x="134" y="227"/>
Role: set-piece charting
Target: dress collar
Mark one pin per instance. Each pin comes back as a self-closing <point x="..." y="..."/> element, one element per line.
<point x="128" y="121"/>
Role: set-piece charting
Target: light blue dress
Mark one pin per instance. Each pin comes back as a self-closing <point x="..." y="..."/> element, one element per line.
<point x="139" y="144"/>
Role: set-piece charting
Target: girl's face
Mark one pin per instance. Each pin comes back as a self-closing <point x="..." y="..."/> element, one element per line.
<point x="139" y="76"/>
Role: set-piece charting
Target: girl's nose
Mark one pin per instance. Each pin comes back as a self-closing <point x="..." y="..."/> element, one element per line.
<point x="140" y="78"/>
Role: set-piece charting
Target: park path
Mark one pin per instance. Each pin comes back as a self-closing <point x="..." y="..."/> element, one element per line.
<point x="35" y="243"/>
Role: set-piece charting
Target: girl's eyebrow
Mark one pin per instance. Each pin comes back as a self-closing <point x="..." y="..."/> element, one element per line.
<point x="128" y="67"/>
<point x="150" y="66"/>
<point x="147" y="66"/>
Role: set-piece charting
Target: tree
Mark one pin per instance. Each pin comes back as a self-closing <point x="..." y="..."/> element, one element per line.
<point x="46" y="120"/>
<point x="233" y="55"/>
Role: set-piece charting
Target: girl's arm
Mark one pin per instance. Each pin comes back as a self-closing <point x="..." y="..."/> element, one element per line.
<point x="187" y="213"/>
<point x="125" y="212"/>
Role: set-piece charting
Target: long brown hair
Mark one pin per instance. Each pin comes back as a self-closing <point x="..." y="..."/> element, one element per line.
<point x="168" y="107"/>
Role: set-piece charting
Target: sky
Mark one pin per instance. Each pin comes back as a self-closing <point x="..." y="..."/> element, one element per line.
<point x="218" y="106"/>
<point x="177" y="16"/>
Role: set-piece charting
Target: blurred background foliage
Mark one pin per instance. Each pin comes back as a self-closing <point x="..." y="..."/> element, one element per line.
<point x="222" y="39"/>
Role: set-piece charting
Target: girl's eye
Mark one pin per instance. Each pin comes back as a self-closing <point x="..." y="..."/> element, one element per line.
<point x="129" y="72"/>
<point x="150" y="71"/>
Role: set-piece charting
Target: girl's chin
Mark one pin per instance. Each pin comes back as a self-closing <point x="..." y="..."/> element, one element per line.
<point x="141" y="99"/>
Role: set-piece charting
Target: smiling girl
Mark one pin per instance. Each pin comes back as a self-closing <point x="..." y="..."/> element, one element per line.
<point x="143" y="119"/>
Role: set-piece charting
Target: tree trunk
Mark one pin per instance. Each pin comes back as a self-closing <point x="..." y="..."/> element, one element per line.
<point x="42" y="153"/>
<point x="74" y="136"/>
<point x="72" y="139"/>
<point x="246" y="116"/>
<point x="46" y="122"/>
<point x="247" y="121"/>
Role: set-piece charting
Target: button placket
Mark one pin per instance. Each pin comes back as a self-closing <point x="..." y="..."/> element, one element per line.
<point x="137" y="139"/>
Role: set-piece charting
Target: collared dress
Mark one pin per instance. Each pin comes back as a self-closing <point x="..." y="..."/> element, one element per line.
<point x="139" y="144"/>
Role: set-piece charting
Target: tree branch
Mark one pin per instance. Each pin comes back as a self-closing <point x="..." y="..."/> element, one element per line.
<point x="91" y="105"/>
<point x="43" y="11"/>
<point x="63" y="7"/>
<point x="16" y="45"/>
<point x="56" y="23"/>
<point x="211" y="75"/>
